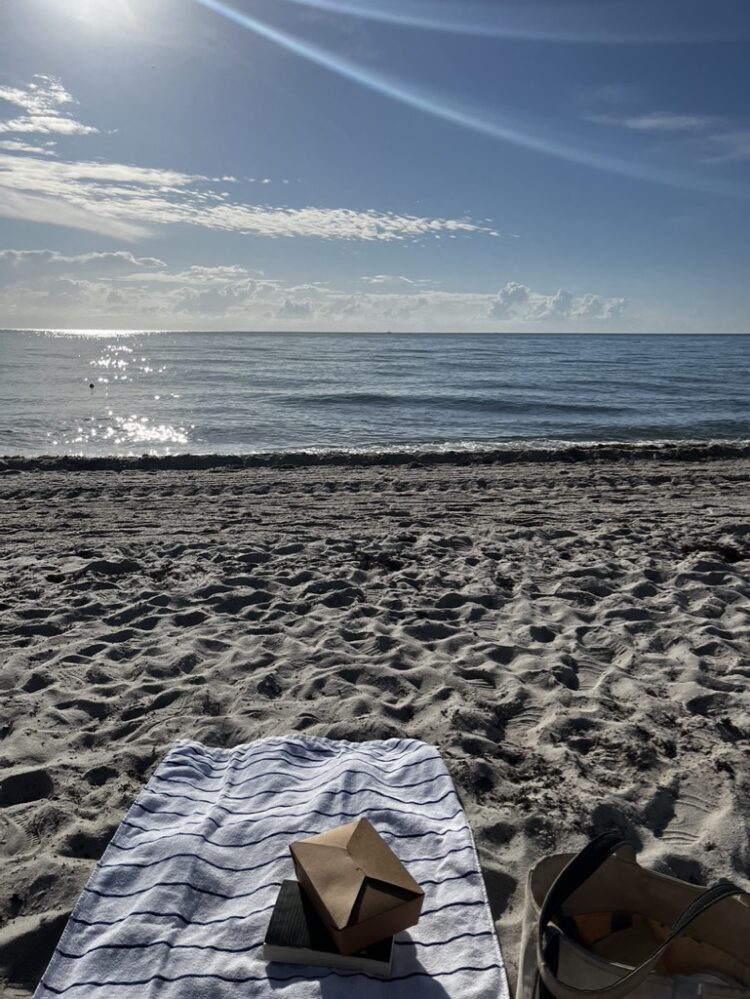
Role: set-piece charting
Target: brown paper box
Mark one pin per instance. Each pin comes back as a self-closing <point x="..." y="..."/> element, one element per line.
<point x="357" y="884"/>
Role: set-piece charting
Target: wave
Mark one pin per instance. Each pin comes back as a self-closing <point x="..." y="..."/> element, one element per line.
<point x="459" y="453"/>
<point x="444" y="402"/>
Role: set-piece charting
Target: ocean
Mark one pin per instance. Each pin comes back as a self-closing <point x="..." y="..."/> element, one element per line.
<point x="228" y="393"/>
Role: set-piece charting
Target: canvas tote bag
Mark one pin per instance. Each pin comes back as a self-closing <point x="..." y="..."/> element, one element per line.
<point x="599" y="925"/>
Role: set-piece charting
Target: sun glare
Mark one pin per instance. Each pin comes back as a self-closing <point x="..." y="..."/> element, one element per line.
<point x="102" y="13"/>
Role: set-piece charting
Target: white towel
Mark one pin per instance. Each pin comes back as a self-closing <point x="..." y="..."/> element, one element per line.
<point x="180" y="902"/>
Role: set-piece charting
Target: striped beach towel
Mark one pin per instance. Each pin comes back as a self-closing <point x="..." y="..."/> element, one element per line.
<point x="180" y="902"/>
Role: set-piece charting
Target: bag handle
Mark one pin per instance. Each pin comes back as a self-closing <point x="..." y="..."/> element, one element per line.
<point x="576" y="872"/>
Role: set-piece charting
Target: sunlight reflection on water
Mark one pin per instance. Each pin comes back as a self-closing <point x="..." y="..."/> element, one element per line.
<point x="231" y="392"/>
<point x="123" y="432"/>
<point x="119" y="431"/>
<point x="117" y="360"/>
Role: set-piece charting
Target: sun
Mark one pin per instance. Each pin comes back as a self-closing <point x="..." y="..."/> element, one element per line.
<point x="102" y="13"/>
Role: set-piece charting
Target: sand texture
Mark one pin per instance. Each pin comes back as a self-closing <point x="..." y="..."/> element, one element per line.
<point x="573" y="636"/>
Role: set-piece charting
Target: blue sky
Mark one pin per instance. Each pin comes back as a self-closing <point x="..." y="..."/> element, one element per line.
<point x="375" y="164"/>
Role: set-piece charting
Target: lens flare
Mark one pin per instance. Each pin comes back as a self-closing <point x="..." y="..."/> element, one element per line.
<point x="599" y="24"/>
<point x="441" y="107"/>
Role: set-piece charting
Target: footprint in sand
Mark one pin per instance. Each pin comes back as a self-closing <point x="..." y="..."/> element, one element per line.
<point x="18" y="789"/>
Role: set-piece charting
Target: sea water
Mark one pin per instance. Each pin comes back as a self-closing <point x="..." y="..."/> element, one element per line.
<point x="166" y="393"/>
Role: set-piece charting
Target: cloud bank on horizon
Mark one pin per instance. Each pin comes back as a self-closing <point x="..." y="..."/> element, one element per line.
<point x="118" y="285"/>
<point x="414" y="175"/>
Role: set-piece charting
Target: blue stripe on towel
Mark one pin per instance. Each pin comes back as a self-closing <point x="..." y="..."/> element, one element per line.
<point x="167" y="914"/>
<point x="239" y="763"/>
<point x="463" y="969"/>
<point x="254" y="867"/>
<point x="298" y="772"/>
<point x="291" y="835"/>
<point x="179" y="884"/>
<point x="330" y="816"/>
<point x="323" y="791"/>
<point x="307" y="785"/>
<point x="248" y="947"/>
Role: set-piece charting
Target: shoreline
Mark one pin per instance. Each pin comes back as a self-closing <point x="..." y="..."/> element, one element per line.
<point x="407" y="455"/>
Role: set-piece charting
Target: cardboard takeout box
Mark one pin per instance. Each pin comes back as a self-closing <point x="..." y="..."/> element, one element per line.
<point x="358" y="886"/>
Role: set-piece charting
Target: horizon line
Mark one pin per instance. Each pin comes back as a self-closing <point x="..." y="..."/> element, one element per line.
<point x="128" y="331"/>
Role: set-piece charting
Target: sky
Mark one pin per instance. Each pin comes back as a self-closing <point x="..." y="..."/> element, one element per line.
<point x="415" y="165"/>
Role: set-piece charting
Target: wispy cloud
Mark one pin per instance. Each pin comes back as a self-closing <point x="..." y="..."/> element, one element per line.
<point x="714" y="138"/>
<point x="17" y="146"/>
<point x="197" y="275"/>
<point x="128" y="201"/>
<point x="50" y="211"/>
<point x="720" y="142"/>
<point x="733" y="144"/>
<point x="43" y="102"/>
<point x="393" y="280"/>
<point x="22" y="262"/>
<point x="655" y="121"/>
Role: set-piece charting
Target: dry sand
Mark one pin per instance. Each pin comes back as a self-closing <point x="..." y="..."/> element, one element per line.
<point x="574" y="637"/>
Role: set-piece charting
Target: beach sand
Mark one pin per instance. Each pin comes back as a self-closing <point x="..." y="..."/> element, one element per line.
<point x="573" y="635"/>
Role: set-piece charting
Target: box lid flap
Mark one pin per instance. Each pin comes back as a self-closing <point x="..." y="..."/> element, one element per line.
<point x="373" y="856"/>
<point x="339" y="861"/>
<point x="334" y="876"/>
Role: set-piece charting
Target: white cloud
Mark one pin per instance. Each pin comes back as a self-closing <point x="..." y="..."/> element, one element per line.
<point x="386" y="279"/>
<point x="41" y="95"/>
<point x="50" y="178"/>
<point x="43" y="101"/>
<point x="398" y="280"/>
<point x="47" y="124"/>
<point x="20" y="263"/>
<point x="664" y="121"/>
<point x="196" y="276"/>
<point x="518" y="302"/>
<point x="734" y="145"/>
<point x="127" y="201"/>
<point x="559" y="305"/>
<point x="51" y="211"/>
<point x="595" y="307"/>
<point x="709" y="131"/>
<point x="655" y="121"/>
<point x="120" y="289"/>
<point x="512" y="297"/>
<point x="16" y="146"/>
<point x="107" y="197"/>
<point x="295" y="310"/>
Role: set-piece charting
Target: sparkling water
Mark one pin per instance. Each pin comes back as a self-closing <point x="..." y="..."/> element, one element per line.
<point x="165" y="393"/>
